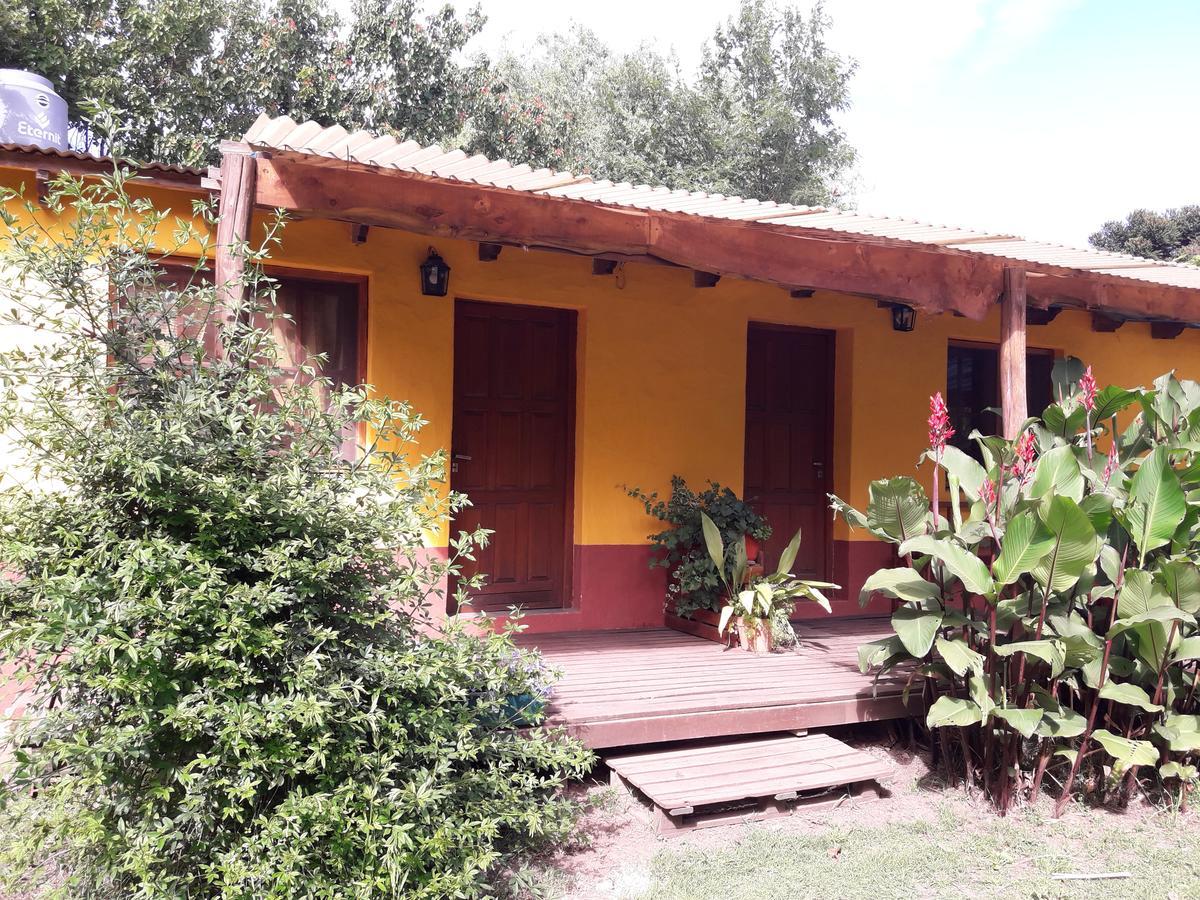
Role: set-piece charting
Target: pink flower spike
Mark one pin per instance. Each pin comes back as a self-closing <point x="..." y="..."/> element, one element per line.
<point x="1087" y="384"/>
<point x="989" y="493"/>
<point x="1025" y="450"/>
<point x="939" y="423"/>
<point x="1113" y="463"/>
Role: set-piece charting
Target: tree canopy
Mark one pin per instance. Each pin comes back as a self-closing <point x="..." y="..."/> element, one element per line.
<point x="756" y="119"/>
<point x="1170" y="235"/>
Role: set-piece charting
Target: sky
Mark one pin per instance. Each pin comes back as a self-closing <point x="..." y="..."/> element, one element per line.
<point x="1042" y="118"/>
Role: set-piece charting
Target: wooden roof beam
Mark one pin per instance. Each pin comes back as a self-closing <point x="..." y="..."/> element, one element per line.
<point x="931" y="278"/>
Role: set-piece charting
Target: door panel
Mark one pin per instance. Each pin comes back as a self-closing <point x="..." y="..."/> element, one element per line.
<point x="514" y="397"/>
<point x="788" y="428"/>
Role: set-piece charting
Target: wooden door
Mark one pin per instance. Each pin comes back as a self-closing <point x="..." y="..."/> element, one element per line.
<point x="788" y="439"/>
<point x="514" y="393"/>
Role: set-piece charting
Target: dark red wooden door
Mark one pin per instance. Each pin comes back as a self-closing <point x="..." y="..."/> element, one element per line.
<point x="512" y="447"/>
<point x="788" y="429"/>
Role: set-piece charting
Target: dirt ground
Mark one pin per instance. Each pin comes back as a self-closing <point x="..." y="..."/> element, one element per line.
<point x="614" y="855"/>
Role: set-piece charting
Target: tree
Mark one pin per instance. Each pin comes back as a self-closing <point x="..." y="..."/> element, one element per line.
<point x="236" y="690"/>
<point x="185" y="76"/>
<point x="773" y="78"/>
<point x="757" y="120"/>
<point x="1171" y="235"/>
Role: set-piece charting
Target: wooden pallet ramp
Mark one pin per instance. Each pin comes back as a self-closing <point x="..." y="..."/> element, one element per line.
<point x="719" y="783"/>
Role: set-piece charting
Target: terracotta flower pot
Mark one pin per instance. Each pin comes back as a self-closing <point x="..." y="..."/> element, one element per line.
<point x="753" y="548"/>
<point x="754" y="635"/>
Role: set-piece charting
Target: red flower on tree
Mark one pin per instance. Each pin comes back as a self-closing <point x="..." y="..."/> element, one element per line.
<point x="1026" y="450"/>
<point x="940" y="431"/>
<point x="1087" y="384"/>
<point x="1113" y="463"/>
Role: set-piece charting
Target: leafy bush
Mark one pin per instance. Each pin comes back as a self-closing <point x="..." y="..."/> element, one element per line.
<point x="1056" y="621"/>
<point x="680" y="547"/>
<point x="236" y="691"/>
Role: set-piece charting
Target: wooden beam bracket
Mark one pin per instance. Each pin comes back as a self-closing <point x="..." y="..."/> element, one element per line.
<point x="358" y="233"/>
<point x="1104" y="323"/>
<point x="802" y="293"/>
<point x="489" y="252"/>
<point x="603" y="266"/>
<point x="42" y="178"/>
<point x="1166" y="331"/>
<point x="704" y="279"/>
<point x="1036" y="316"/>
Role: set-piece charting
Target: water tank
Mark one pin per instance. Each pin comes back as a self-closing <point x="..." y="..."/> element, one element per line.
<point x="30" y="112"/>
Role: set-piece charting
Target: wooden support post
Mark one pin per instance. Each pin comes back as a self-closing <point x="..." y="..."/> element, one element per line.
<point x="235" y="210"/>
<point x="1013" y="404"/>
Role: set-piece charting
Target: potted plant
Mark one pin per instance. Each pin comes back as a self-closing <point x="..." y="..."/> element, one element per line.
<point x="694" y="589"/>
<point x="759" y="606"/>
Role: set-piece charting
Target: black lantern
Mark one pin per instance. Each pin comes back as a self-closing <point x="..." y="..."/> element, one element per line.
<point x="904" y="318"/>
<point x="435" y="275"/>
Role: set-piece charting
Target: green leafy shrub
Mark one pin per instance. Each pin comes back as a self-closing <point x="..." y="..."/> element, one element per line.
<point x="236" y="691"/>
<point x="680" y="547"/>
<point x="1055" y="621"/>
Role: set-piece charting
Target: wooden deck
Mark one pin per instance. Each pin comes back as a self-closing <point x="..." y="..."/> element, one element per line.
<point x="622" y="688"/>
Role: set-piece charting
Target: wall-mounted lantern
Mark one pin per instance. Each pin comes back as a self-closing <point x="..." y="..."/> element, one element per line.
<point x="904" y="317"/>
<point x="435" y="275"/>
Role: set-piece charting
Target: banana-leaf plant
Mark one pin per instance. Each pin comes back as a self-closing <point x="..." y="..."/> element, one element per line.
<point x="760" y="604"/>
<point x="1049" y="613"/>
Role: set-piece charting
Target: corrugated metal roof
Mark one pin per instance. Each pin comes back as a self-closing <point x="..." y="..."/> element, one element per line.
<point x="51" y="153"/>
<point x="384" y="152"/>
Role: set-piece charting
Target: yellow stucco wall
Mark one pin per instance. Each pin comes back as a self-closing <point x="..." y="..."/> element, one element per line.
<point x="661" y="364"/>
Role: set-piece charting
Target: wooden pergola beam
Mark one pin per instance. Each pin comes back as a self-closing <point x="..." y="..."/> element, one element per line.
<point x="931" y="277"/>
<point x="1014" y="406"/>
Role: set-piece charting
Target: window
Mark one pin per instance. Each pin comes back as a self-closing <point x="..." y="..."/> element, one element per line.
<point x="324" y="319"/>
<point x="973" y="386"/>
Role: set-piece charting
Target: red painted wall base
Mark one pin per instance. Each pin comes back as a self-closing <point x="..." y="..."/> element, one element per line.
<point x="616" y="588"/>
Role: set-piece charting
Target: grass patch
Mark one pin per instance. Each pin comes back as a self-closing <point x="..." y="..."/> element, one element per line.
<point x="952" y="857"/>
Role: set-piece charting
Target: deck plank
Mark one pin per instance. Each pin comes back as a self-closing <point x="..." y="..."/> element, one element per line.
<point x="702" y="776"/>
<point x="620" y="688"/>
